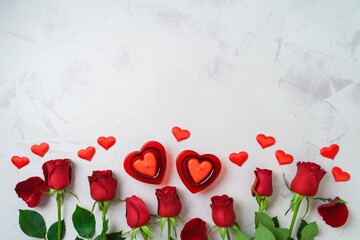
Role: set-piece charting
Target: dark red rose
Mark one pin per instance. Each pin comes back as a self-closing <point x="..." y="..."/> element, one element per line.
<point x="263" y="182"/>
<point x="195" y="229"/>
<point x="334" y="214"/>
<point x="137" y="213"/>
<point x="57" y="173"/>
<point x="102" y="185"/>
<point x="31" y="190"/>
<point x="307" y="179"/>
<point x="169" y="204"/>
<point x="223" y="213"/>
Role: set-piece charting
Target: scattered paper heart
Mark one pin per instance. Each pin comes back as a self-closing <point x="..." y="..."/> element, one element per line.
<point x="40" y="150"/>
<point x="180" y="134"/>
<point x="238" y="158"/>
<point x="283" y="158"/>
<point x="20" y="162"/>
<point x="87" y="153"/>
<point x="330" y="152"/>
<point x="265" y="141"/>
<point x="340" y="175"/>
<point x="106" y="142"/>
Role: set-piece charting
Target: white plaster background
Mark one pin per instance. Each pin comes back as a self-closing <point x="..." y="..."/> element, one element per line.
<point x="71" y="71"/>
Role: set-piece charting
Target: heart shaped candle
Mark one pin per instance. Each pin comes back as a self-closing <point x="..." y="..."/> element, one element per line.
<point x="197" y="171"/>
<point x="147" y="165"/>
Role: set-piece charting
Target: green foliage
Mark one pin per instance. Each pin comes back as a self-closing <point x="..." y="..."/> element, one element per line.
<point x="267" y="222"/>
<point x="223" y="232"/>
<point x="32" y="223"/>
<point x="239" y="235"/>
<point x="53" y="231"/>
<point x="301" y="226"/>
<point x="84" y="222"/>
<point x="115" y="236"/>
<point x="262" y="233"/>
<point x="309" y="231"/>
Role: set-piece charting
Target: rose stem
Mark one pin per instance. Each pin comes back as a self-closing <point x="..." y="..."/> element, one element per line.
<point x="228" y="233"/>
<point x="103" y="219"/>
<point x="169" y="229"/>
<point x="294" y="216"/>
<point x="58" y="200"/>
<point x="261" y="209"/>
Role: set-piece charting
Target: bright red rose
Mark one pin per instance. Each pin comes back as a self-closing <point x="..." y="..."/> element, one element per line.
<point x="334" y="214"/>
<point x="307" y="179"/>
<point x="223" y="213"/>
<point x="31" y="190"/>
<point x="169" y="204"/>
<point x="137" y="213"/>
<point x="195" y="229"/>
<point x="102" y="185"/>
<point x="263" y="182"/>
<point x="57" y="173"/>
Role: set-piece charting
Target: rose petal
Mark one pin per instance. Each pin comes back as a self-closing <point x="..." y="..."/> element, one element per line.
<point x="195" y="229"/>
<point x="334" y="214"/>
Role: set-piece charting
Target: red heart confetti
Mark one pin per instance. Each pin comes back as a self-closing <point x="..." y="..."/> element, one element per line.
<point x="180" y="134"/>
<point x="40" y="150"/>
<point x="265" y="141"/>
<point x="87" y="153"/>
<point x="106" y="142"/>
<point x="20" y="162"/>
<point x="340" y="175"/>
<point x="330" y="152"/>
<point x="238" y="158"/>
<point x="283" y="158"/>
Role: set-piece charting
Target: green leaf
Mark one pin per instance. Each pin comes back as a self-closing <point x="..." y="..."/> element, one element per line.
<point x="301" y="227"/>
<point x="145" y="236"/>
<point x="148" y="231"/>
<point x="84" y="222"/>
<point x="266" y="221"/>
<point x="105" y="228"/>
<point x="115" y="236"/>
<point x="173" y="222"/>
<point x="135" y="231"/>
<point x="309" y="231"/>
<point x="276" y="222"/>
<point x="213" y="227"/>
<point x="297" y="198"/>
<point x="77" y="238"/>
<point x="32" y="223"/>
<point x="267" y="203"/>
<point x="223" y="232"/>
<point x="162" y="223"/>
<point x="330" y="200"/>
<point x="53" y="231"/>
<point x="239" y="235"/>
<point x="262" y="233"/>
<point x="98" y="237"/>
<point x="287" y="185"/>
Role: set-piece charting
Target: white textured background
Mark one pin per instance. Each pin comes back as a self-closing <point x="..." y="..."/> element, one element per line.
<point x="71" y="71"/>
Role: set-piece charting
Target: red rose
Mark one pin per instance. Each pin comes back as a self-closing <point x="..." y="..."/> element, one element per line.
<point x="102" y="185"/>
<point x="137" y="213"/>
<point x="195" y="229"/>
<point x="223" y="213"/>
<point x="31" y="190"/>
<point x="334" y="214"/>
<point x="307" y="179"/>
<point x="169" y="204"/>
<point x="263" y="182"/>
<point x="57" y="173"/>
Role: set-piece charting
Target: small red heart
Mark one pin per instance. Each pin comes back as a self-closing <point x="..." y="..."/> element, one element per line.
<point x="340" y="175"/>
<point x="238" y="158"/>
<point x="40" y="149"/>
<point x="283" y="158"/>
<point x="330" y="152"/>
<point x="106" y="142"/>
<point x="87" y="153"/>
<point x="265" y="141"/>
<point x="180" y="134"/>
<point x="20" y="162"/>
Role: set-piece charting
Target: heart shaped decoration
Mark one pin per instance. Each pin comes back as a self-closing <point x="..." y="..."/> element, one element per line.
<point x="265" y="141"/>
<point x="147" y="165"/>
<point x="180" y="134"/>
<point x="20" y="162"/>
<point x="283" y="158"/>
<point x="40" y="150"/>
<point x="106" y="142"/>
<point x="330" y="152"/>
<point x="197" y="172"/>
<point x="340" y="175"/>
<point x="87" y="153"/>
<point x="238" y="158"/>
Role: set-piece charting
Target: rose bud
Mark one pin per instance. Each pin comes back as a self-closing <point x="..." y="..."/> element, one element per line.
<point x="263" y="182"/>
<point x="223" y="213"/>
<point x="102" y="185"/>
<point x="137" y="213"/>
<point x="169" y="204"/>
<point x="307" y="179"/>
<point x="334" y="214"/>
<point x="31" y="190"/>
<point x="195" y="229"/>
<point x="57" y="173"/>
